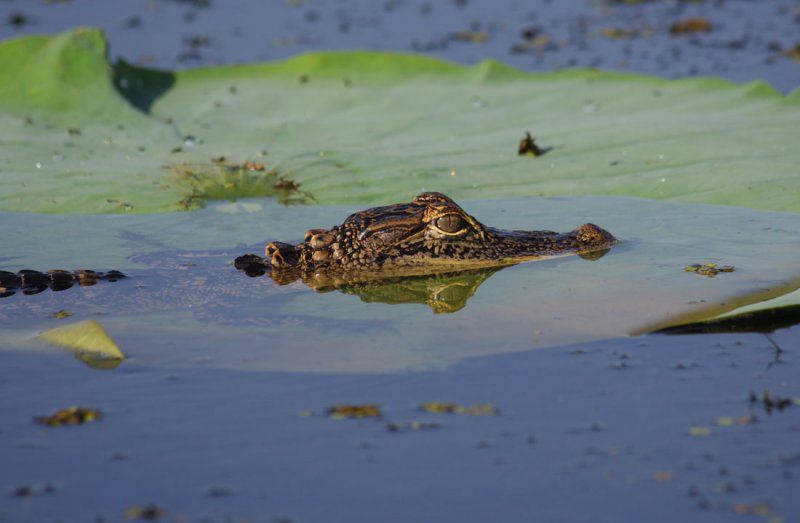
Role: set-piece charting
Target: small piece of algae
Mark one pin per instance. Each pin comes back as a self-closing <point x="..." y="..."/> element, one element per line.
<point x="89" y="341"/>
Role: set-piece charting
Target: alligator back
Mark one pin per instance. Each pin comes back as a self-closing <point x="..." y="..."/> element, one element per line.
<point x="32" y="282"/>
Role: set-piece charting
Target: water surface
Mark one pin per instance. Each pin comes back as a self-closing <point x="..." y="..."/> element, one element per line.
<point x="185" y="305"/>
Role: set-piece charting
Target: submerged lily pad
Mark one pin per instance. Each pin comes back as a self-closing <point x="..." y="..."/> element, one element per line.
<point x="81" y="135"/>
<point x="90" y="342"/>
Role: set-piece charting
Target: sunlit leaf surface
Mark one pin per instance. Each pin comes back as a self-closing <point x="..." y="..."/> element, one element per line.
<point x="82" y="136"/>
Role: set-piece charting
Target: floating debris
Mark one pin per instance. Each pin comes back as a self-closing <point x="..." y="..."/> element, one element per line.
<point x="147" y="513"/>
<point x="754" y="509"/>
<point x="709" y="269"/>
<point x="535" y="40"/>
<point x="699" y="431"/>
<point x="23" y="491"/>
<point x="478" y="409"/>
<point x="474" y="37"/>
<point x="197" y="40"/>
<point x="70" y="416"/>
<point x="793" y="52"/>
<point x="663" y="475"/>
<point x="18" y="20"/>
<point x="528" y="147"/>
<point x="412" y="426"/>
<point x="285" y="184"/>
<point x="367" y="410"/>
<point x="61" y="314"/>
<point x="690" y="26"/>
<point x="618" y="33"/>
<point x="727" y="421"/>
<point x="253" y="166"/>
<point x="770" y="402"/>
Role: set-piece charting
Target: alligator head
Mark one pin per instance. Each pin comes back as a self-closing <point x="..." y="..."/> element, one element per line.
<point x="429" y="235"/>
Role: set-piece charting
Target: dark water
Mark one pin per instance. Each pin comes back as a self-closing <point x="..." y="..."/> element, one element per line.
<point x="594" y="432"/>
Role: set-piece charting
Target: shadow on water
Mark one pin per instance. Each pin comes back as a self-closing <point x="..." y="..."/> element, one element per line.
<point x="140" y="86"/>
<point x="763" y="321"/>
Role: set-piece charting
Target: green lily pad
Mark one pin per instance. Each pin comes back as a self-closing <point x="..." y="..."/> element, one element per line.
<point x="81" y="135"/>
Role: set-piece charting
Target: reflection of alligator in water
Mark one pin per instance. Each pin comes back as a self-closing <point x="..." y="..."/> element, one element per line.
<point x="427" y="251"/>
<point x="429" y="235"/>
<point x="446" y="292"/>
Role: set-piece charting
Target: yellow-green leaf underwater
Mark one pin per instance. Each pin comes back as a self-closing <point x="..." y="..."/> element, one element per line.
<point x="82" y="135"/>
<point x="89" y="341"/>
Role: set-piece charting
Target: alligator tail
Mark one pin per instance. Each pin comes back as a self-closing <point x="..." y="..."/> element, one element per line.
<point x="33" y="282"/>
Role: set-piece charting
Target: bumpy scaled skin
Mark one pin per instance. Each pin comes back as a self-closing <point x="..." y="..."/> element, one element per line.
<point x="33" y="282"/>
<point x="432" y="234"/>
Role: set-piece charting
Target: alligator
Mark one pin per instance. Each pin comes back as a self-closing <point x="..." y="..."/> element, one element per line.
<point x="426" y="251"/>
<point x="430" y="235"/>
<point x="33" y="282"/>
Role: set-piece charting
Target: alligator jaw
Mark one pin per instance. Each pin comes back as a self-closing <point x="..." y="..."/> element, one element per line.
<point x="528" y="245"/>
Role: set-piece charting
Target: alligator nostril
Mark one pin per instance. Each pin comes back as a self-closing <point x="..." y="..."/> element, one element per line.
<point x="321" y="240"/>
<point x="311" y="233"/>
<point x="277" y="260"/>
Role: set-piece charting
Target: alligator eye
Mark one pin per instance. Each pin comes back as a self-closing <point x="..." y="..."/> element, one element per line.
<point x="449" y="223"/>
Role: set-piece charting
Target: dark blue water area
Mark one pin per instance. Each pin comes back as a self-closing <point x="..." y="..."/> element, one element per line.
<point x="641" y="429"/>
